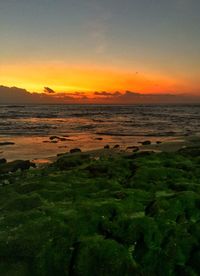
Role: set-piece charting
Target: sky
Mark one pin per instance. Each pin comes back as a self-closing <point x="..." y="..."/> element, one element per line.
<point x="144" y="46"/>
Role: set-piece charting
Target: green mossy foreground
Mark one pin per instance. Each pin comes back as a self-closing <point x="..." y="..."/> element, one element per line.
<point x="126" y="215"/>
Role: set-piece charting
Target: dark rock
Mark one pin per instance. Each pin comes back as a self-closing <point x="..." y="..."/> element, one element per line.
<point x="116" y="146"/>
<point x="16" y="165"/>
<point x="60" y="154"/>
<point x="2" y="161"/>
<point x="6" y="143"/>
<point x="99" y="138"/>
<point x="158" y="142"/>
<point x="106" y="147"/>
<point x="75" y="150"/>
<point x="134" y="148"/>
<point x="147" y="142"/>
<point x="54" y="137"/>
<point x="46" y="141"/>
<point x="62" y="139"/>
<point x="54" y="141"/>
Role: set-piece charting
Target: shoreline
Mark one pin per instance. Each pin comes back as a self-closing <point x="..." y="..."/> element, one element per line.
<point x="168" y="145"/>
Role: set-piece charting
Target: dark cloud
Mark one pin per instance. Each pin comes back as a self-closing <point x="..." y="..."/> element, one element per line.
<point x="104" y="93"/>
<point x="130" y="97"/>
<point x="12" y="95"/>
<point x="48" y="90"/>
<point x="18" y="95"/>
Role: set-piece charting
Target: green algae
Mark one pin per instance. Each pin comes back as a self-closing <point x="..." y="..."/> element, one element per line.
<point x="135" y="215"/>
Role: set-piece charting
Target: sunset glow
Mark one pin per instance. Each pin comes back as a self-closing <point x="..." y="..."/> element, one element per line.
<point x="88" y="79"/>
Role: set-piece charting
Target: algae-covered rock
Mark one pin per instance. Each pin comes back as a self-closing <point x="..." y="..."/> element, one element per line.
<point x="132" y="215"/>
<point x="16" y="165"/>
<point x="67" y="161"/>
<point x="2" y="161"/>
<point x="24" y="203"/>
<point x="98" y="256"/>
<point x="190" y="151"/>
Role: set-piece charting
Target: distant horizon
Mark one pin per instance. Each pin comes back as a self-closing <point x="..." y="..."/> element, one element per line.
<point x="15" y="95"/>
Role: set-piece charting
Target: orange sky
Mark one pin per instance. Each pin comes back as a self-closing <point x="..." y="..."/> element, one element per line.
<point x="62" y="78"/>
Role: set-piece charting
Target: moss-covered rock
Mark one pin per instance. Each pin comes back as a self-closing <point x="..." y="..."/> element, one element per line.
<point x="98" y="256"/>
<point x="135" y="215"/>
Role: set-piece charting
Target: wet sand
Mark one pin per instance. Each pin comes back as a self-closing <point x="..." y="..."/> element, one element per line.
<point x="41" y="147"/>
<point x="38" y="151"/>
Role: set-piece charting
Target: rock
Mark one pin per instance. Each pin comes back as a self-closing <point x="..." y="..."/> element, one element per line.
<point x="75" y="150"/>
<point x="66" y="162"/>
<point x="158" y="142"/>
<point x="152" y="209"/>
<point x="46" y="141"/>
<point x="98" y="169"/>
<point x="119" y="195"/>
<point x="62" y="139"/>
<point x="54" y="137"/>
<point x="6" y="143"/>
<point x="147" y="142"/>
<point x="140" y="154"/>
<point x="54" y="142"/>
<point x="116" y="146"/>
<point x="134" y="148"/>
<point x="16" y="165"/>
<point x="6" y="182"/>
<point x="99" y="138"/>
<point x="60" y="154"/>
<point x="190" y="151"/>
<point x="106" y="147"/>
<point x="2" y="161"/>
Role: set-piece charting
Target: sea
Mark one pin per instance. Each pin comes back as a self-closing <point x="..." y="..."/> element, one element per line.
<point x="90" y="127"/>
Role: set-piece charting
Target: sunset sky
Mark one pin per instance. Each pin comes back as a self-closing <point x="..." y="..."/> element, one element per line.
<point x="147" y="46"/>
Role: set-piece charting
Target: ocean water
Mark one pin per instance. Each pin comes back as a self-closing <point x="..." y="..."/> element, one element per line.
<point x="30" y="125"/>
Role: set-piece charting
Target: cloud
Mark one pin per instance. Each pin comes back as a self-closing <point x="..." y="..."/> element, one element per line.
<point x="12" y="95"/>
<point x="48" y="90"/>
<point x="104" y="93"/>
<point x="130" y="97"/>
<point x="98" y="29"/>
<point x="15" y="95"/>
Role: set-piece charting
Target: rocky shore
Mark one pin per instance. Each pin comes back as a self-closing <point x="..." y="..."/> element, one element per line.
<point x="104" y="212"/>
